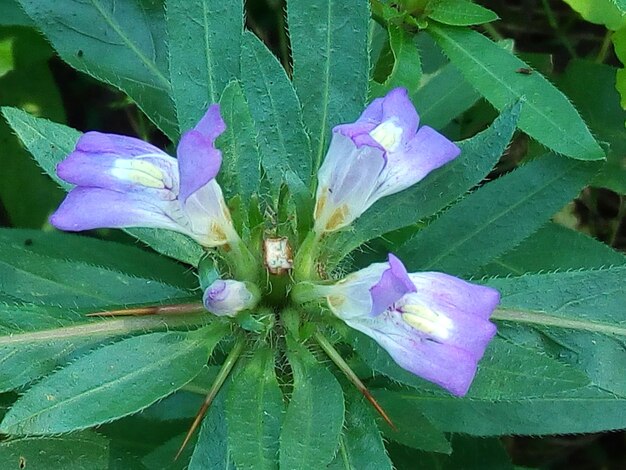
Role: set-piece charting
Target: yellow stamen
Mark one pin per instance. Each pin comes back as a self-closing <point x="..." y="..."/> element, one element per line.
<point x="139" y="171"/>
<point x="387" y="134"/>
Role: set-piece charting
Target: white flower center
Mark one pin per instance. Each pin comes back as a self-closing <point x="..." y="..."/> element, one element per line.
<point x="424" y="319"/>
<point x="139" y="171"/>
<point x="388" y="134"/>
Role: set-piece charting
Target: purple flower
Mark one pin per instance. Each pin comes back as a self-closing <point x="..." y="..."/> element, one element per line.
<point x="126" y="182"/>
<point x="432" y="324"/>
<point x="382" y="153"/>
<point x="229" y="297"/>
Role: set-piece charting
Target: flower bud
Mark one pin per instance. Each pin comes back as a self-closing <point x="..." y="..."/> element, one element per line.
<point x="230" y="297"/>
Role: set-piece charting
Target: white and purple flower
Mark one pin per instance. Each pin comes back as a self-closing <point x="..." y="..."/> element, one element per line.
<point x="382" y="153"/>
<point x="229" y="297"/>
<point x="126" y="182"/>
<point x="432" y="324"/>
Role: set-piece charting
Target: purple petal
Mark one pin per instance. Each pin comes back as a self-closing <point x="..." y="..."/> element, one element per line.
<point x="90" y="208"/>
<point x="198" y="159"/>
<point x="393" y="285"/>
<point x="398" y="107"/>
<point x="211" y="125"/>
<point x="442" y="292"/>
<point x="359" y="133"/>
<point x="445" y="365"/>
<point x="97" y="157"/>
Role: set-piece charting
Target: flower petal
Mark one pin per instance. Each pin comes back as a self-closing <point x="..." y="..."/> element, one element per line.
<point x="209" y="216"/>
<point x="198" y="159"/>
<point x="90" y="208"/>
<point x="392" y="286"/>
<point x="119" y="163"/>
<point x="397" y="106"/>
<point x="450" y="367"/>
<point x="228" y="297"/>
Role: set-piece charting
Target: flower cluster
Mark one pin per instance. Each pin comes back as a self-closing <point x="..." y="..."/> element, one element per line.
<point x="432" y="324"/>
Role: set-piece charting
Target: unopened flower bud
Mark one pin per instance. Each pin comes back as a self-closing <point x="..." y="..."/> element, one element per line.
<point x="230" y="297"/>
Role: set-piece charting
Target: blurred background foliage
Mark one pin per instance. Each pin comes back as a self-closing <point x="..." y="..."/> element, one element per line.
<point x="575" y="52"/>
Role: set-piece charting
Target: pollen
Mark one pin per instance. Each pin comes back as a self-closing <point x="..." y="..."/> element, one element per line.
<point x="388" y="134"/>
<point x="337" y="218"/>
<point x="138" y="171"/>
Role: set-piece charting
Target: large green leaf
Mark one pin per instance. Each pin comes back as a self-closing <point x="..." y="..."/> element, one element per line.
<point x="140" y="370"/>
<point x="330" y="64"/>
<point x="478" y="156"/>
<point x="605" y="12"/>
<point x="444" y="96"/>
<point x="547" y="115"/>
<point x="574" y="316"/>
<point x="619" y="43"/>
<point x="204" y="50"/>
<point x="121" y="43"/>
<point x="50" y="143"/>
<point x="360" y="445"/>
<point x="584" y="411"/>
<point x="110" y="255"/>
<point x="314" y="418"/>
<point x="496" y="217"/>
<point x="80" y="451"/>
<point x="34" y="278"/>
<point x="275" y="108"/>
<point x="553" y="248"/>
<point x="240" y="173"/>
<point x="254" y="410"/>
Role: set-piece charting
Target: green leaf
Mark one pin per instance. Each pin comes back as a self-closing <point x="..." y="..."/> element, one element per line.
<point x="211" y="450"/>
<point x="204" y="50"/>
<point x="459" y="13"/>
<point x="128" y="376"/>
<point x="407" y="67"/>
<point x="253" y="413"/>
<point x="547" y="115"/>
<point x="330" y="65"/>
<point x="478" y="156"/>
<point x="414" y="429"/>
<point x="444" y="96"/>
<point x="496" y="217"/>
<point x="120" y="43"/>
<point x="549" y="313"/>
<point x="507" y="371"/>
<point x="619" y="43"/>
<point x="584" y="411"/>
<point x="50" y="143"/>
<point x="35" y="278"/>
<point x="13" y="14"/>
<point x="591" y="88"/>
<point x="360" y="445"/>
<point x="275" y="108"/>
<point x="314" y="418"/>
<point x="554" y="248"/>
<point x="80" y="451"/>
<point x="110" y="255"/>
<point x="240" y="173"/>
<point x="605" y="12"/>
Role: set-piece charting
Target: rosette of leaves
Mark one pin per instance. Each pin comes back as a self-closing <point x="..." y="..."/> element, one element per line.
<point x="121" y="392"/>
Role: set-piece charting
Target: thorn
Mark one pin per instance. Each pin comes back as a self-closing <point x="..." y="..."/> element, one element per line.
<point x="222" y="375"/>
<point x="174" y="309"/>
<point x="345" y="368"/>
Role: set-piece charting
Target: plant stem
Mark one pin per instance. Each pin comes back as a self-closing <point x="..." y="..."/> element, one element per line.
<point x="223" y="374"/>
<point x="604" y="49"/>
<point x="334" y="355"/>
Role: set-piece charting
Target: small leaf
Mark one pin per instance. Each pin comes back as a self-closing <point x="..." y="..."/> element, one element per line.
<point x="276" y="111"/>
<point x="253" y="413"/>
<point x="240" y="173"/>
<point x="204" y="50"/>
<point x="407" y="67"/>
<point x="459" y="13"/>
<point x="330" y="65"/>
<point x="547" y="115"/>
<point x="314" y="418"/>
<point x="128" y="376"/>
<point x="497" y="216"/>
